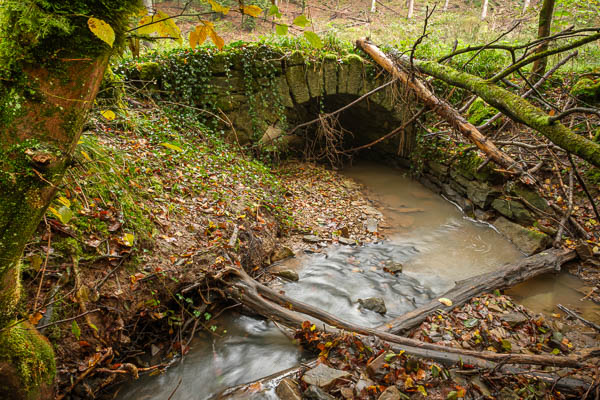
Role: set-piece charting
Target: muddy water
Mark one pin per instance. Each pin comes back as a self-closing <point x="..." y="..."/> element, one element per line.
<point x="432" y="240"/>
<point x="435" y="244"/>
<point x="543" y="293"/>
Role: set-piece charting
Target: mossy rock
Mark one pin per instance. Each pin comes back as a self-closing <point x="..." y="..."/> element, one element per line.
<point x="149" y="71"/>
<point x="529" y="241"/>
<point x="514" y="210"/>
<point x="479" y="112"/>
<point x="593" y="176"/>
<point x="587" y="89"/>
<point x="529" y="195"/>
<point x="27" y="366"/>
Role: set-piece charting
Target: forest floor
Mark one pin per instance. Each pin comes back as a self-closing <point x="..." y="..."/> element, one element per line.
<point x="129" y="261"/>
<point x="156" y="207"/>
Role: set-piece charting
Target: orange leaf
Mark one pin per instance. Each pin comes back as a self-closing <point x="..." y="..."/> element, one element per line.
<point x="35" y="318"/>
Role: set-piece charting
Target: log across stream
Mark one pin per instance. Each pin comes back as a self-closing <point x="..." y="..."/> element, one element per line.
<point x="432" y="241"/>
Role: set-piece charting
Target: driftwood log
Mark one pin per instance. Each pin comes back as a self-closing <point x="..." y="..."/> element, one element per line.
<point x="280" y="308"/>
<point x="292" y="313"/>
<point x="507" y="276"/>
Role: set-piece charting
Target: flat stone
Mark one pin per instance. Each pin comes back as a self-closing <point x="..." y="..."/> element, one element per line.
<point x="346" y="241"/>
<point x="311" y="238"/>
<point x="281" y="253"/>
<point x="315" y="393"/>
<point x="514" y="318"/>
<point x="288" y="274"/>
<point x="513" y="210"/>
<point x="480" y="193"/>
<point x="288" y="390"/>
<point x="323" y="376"/>
<point x="529" y="195"/>
<point x="374" y="304"/>
<point x="391" y="393"/>
<point x="376" y="368"/>
<point x="526" y="240"/>
<point x="372" y="225"/>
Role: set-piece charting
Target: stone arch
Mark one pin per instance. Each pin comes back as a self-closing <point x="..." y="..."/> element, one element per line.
<point x="308" y="87"/>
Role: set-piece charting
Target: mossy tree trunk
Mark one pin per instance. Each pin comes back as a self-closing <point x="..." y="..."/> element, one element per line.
<point x="545" y="21"/>
<point x="516" y="108"/>
<point x="48" y="82"/>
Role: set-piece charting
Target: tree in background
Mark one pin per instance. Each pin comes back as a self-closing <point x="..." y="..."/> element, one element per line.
<point x="484" y="10"/>
<point x="545" y="21"/>
<point x="51" y="66"/>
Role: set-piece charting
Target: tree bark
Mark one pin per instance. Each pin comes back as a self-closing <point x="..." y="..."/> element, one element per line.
<point x="443" y="109"/>
<point x="411" y="8"/>
<point x="52" y="82"/>
<point x="484" y="10"/>
<point x="544" y="24"/>
<point x="42" y="142"/>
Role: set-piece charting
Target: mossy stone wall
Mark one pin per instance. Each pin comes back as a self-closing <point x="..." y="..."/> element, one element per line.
<point x="260" y="86"/>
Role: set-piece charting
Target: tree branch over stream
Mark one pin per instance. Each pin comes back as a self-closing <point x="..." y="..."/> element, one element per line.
<point x="278" y="307"/>
<point x="510" y="104"/>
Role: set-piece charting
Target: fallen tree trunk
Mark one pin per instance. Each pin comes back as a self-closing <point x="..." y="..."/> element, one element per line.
<point x="280" y="308"/>
<point x="509" y="275"/>
<point x="246" y="390"/>
<point x="248" y="291"/>
<point x="513" y="106"/>
<point x="442" y="108"/>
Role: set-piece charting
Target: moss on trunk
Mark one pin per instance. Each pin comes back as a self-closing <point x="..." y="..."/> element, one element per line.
<point x="517" y="109"/>
<point x="52" y="66"/>
<point x="27" y="366"/>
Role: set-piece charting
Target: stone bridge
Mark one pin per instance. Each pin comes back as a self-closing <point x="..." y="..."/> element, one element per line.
<point x="261" y="88"/>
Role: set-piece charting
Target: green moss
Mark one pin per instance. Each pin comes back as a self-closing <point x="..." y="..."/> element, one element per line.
<point x="593" y="175"/>
<point x="480" y="112"/>
<point x="586" y="89"/>
<point x="149" y="71"/>
<point x="22" y="347"/>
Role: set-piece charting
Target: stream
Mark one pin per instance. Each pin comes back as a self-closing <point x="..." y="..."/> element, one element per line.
<point x="432" y="241"/>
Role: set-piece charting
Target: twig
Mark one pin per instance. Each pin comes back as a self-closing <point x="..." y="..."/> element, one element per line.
<point x="584" y="186"/>
<point x="423" y="35"/>
<point x="174" y="390"/>
<point x="106" y="356"/>
<point x="67" y="319"/>
<point x="491" y="43"/>
<point x="565" y="217"/>
<point x="43" y="271"/>
<point x="579" y="317"/>
<point x="587" y="110"/>
<point x="339" y="110"/>
<point x="535" y="86"/>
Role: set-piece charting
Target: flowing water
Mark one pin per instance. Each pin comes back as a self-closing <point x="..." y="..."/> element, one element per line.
<point x="432" y="240"/>
<point x="242" y="349"/>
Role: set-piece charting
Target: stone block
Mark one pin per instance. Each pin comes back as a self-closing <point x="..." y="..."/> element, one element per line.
<point x="296" y="80"/>
<point x="526" y="240"/>
<point x="513" y="210"/>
